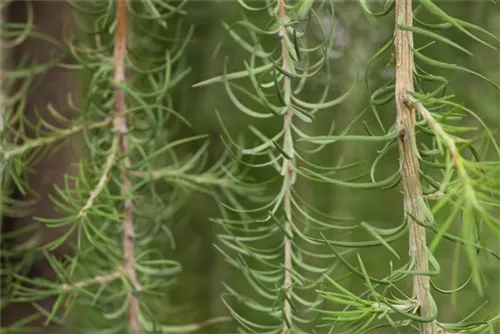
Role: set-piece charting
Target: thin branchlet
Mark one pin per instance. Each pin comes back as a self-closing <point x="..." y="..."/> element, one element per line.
<point x="413" y="208"/>
<point x="449" y="142"/>
<point x="100" y="280"/>
<point x="29" y="145"/>
<point x="103" y="180"/>
<point x="120" y="126"/>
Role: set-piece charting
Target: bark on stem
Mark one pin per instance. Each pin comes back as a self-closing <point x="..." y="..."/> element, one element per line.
<point x="120" y="125"/>
<point x="403" y="41"/>
<point x="288" y="172"/>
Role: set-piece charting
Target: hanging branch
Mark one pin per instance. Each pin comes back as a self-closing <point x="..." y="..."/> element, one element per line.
<point x="413" y="208"/>
<point x="104" y="223"/>
<point x="120" y="125"/>
<point x="278" y="80"/>
<point x="288" y="170"/>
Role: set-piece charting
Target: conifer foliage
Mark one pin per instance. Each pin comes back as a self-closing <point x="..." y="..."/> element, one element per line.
<point x="293" y="267"/>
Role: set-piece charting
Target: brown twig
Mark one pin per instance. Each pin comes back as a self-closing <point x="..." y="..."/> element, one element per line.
<point x="403" y="41"/>
<point x="288" y="170"/>
<point x="120" y="124"/>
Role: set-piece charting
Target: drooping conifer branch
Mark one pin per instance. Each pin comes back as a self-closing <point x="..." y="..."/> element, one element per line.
<point x="120" y="125"/>
<point x="413" y="209"/>
<point x="287" y="171"/>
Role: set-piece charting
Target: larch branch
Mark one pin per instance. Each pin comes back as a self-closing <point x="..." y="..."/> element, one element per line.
<point x="121" y="128"/>
<point x="288" y="170"/>
<point x="403" y="41"/>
